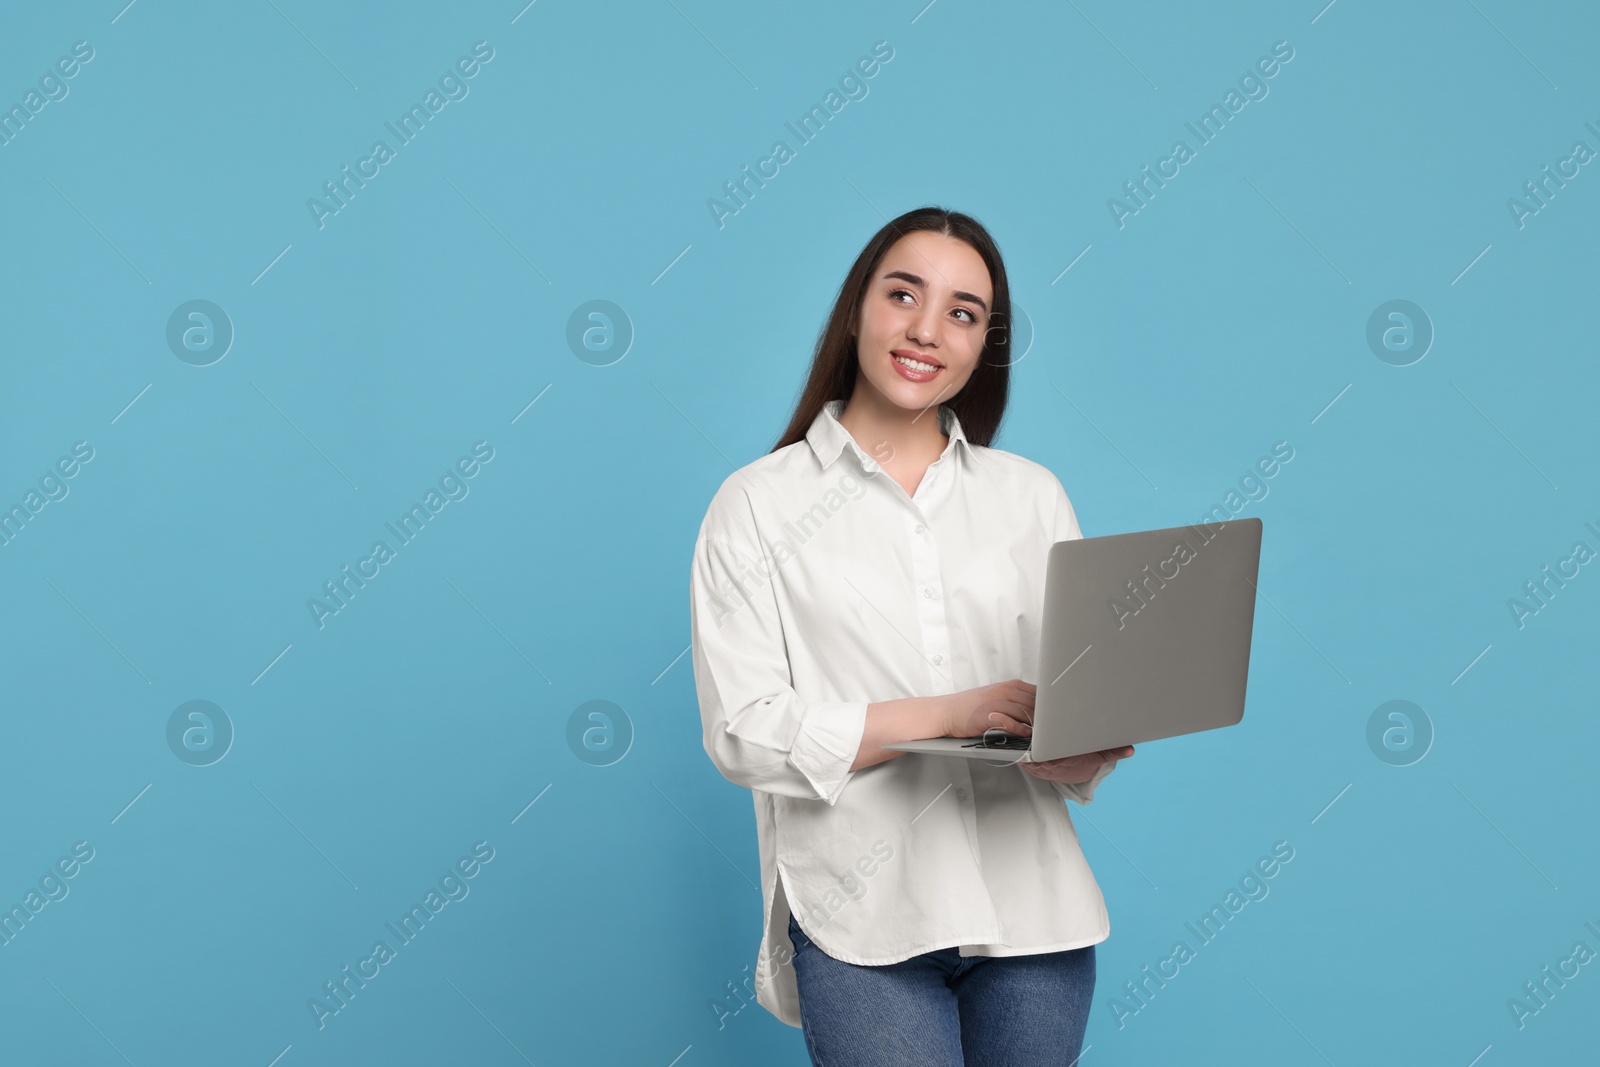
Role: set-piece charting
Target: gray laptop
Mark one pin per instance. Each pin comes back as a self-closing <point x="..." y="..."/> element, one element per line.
<point x="1146" y="635"/>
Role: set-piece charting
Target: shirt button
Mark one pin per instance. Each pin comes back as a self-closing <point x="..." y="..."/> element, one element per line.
<point x="938" y="660"/>
<point x="928" y="593"/>
<point x="961" y="795"/>
<point x="919" y="527"/>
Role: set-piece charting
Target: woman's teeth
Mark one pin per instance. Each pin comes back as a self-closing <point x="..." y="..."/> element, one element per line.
<point x="924" y="368"/>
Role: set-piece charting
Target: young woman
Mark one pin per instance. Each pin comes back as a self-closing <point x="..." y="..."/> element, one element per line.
<point x="879" y="577"/>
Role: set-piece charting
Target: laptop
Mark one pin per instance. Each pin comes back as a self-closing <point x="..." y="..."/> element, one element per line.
<point x="1146" y="635"/>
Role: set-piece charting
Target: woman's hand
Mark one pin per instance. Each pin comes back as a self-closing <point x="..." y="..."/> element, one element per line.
<point x="1074" y="770"/>
<point x="1004" y="706"/>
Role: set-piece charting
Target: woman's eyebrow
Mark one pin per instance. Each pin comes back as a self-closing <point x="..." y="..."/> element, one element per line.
<point x="905" y="275"/>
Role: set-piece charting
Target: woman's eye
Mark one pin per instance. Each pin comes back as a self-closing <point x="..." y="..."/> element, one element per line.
<point x="970" y="316"/>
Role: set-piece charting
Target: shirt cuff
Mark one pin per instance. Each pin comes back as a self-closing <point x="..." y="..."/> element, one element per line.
<point x="827" y="743"/>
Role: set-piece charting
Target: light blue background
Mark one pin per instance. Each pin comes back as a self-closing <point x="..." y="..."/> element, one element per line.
<point x="429" y="313"/>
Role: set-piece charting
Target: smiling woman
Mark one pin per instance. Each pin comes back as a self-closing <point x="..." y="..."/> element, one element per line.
<point x="912" y="613"/>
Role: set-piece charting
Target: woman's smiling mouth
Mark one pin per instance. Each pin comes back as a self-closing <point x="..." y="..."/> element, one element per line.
<point x="913" y="366"/>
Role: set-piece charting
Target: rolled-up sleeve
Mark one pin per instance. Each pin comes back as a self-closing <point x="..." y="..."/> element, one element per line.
<point x="758" y="730"/>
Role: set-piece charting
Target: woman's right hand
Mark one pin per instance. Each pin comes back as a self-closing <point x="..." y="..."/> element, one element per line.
<point x="1004" y="706"/>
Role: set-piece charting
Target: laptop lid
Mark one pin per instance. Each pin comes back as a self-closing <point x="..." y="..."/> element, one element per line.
<point x="1146" y="635"/>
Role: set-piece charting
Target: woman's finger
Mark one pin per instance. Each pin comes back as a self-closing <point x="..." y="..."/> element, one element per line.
<point x="1002" y="721"/>
<point x="1020" y="712"/>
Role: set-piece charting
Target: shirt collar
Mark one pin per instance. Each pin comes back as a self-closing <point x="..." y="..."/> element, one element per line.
<point x="828" y="437"/>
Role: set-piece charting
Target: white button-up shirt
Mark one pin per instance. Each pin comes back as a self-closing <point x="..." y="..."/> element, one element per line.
<point x="819" y="586"/>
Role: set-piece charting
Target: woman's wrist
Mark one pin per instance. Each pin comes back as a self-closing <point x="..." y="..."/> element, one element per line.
<point x="904" y="719"/>
<point x="936" y="715"/>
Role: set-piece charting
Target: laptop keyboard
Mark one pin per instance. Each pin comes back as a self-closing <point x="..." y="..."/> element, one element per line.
<point x="1006" y="741"/>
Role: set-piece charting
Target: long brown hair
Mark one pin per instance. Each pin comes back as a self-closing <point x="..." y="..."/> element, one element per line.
<point x="981" y="403"/>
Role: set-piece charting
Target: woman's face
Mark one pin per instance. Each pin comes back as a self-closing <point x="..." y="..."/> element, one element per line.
<point x="928" y="302"/>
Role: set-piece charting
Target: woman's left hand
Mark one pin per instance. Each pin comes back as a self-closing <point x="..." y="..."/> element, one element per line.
<point x="1074" y="770"/>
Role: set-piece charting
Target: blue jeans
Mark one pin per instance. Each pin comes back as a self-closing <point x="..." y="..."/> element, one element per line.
<point x="942" y="1009"/>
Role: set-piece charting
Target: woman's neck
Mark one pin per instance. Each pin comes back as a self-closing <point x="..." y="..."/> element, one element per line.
<point x="899" y="439"/>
